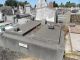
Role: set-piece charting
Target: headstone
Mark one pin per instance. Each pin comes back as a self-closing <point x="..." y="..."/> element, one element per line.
<point x="21" y="10"/>
<point x="1" y="16"/>
<point x="64" y="18"/>
<point x="13" y="11"/>
<point x="10" y="18"/>
<point x="41" y="3"/>
<point x="27" y="9"/>
<point x="43" y="12"/>
<point x="51" y="15"/>
<point x="79" y="11"/>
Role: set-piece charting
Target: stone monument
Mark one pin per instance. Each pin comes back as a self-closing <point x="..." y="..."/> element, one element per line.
<point x="43" y="12"/>
<point x="21" y="10"/>
<point x="13" y="11"/>
<point x="27" y="9"/>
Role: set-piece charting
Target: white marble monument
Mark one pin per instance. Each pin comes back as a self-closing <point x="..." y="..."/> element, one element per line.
<point x="27" y="9"/>
<point x="13" y="11"/>
<point x="43" y="12"/>
<point x="21" y="11"/>
<point x="1" y="19"/>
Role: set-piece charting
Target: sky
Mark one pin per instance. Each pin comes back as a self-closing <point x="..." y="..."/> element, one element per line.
<point x="33" y="2"/>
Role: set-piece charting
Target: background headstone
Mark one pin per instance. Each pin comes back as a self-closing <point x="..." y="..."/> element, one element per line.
<point x="1" y="16"/>
<point x="45" y="13"/>
<point x="41" y="9"/>
<point x="27" y="9"/>
<point x="21" y="10"/>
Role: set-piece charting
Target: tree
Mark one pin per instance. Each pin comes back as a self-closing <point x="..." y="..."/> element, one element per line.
<point x="69" y="4"/>
<point x="11" y="2"/>
<point x="35" y="6"/>
<point x="55" y="4"/>
<point x="78" y="5"/>
<point x="61" y="5"/>
<point x="1" y="5"/>
<point x="73" y="5"/>
<point x="21" y="3"/>
<point x="26" y="2"/>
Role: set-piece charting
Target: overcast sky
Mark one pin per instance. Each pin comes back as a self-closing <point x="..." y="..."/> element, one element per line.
<point x="33" y="2"/>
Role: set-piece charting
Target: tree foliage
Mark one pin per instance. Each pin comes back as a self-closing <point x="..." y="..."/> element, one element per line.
<point x="22" y="3"/>
<point x="61" y="5"/>
<point x="1" y="5"/>
<point x="69" y="4"/>
<point x="17" y="3"/>
<point x="26" y="2"/>
<point x="78" y="5"/>
<point x="55" y="4"/>
<point x="11" y="2"/>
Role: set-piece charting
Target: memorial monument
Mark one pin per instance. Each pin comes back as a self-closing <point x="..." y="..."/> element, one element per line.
<point x="43" y="12"/>
<point x="27" y="9"/>
<point x="21" y="10"/>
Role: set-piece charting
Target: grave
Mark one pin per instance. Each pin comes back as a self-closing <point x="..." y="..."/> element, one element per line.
<point x="36" y="40"/>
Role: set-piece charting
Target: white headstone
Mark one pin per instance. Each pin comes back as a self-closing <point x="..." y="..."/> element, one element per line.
<point x="41" y="3"/>
<point x="21" y="10"/>
<point x="1" y="16"/>
<point x="43" y="12"/>
<point x="27" y="9"/>
<point x="51" y="16"/>
<point x="13" y="11"/>
<point x="79" y="11"/>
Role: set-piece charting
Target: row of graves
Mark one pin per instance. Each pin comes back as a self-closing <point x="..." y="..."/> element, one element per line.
<point x="71" y="20"/>
<point x="75" y="15"/>
<point x="44" y="36"/>
<point x="40" y="38"/>
<point x="59" y="15"/>
<point x="70" y="17"/>
<point x="11" y="16"/>
<point x="72" y="34"/>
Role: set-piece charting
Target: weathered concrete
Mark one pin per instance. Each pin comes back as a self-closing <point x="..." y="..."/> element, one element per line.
<point x="46" y="44"/>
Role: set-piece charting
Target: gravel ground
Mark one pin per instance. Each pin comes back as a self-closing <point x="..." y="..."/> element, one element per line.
<point x="6" y="54"/>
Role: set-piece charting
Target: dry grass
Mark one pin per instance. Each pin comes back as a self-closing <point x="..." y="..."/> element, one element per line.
<point x="28" y="58"/>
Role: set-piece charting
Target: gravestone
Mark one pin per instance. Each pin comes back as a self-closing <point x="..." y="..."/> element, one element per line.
<point x="21" y="10"/>
<point x="13" y="11"/>
<point x="1" y="20"/>
<point x="51" y="17"/>
<point x="27" y="9"/>
<point x="43" y="12"/>
<point x="79" y="11"/>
